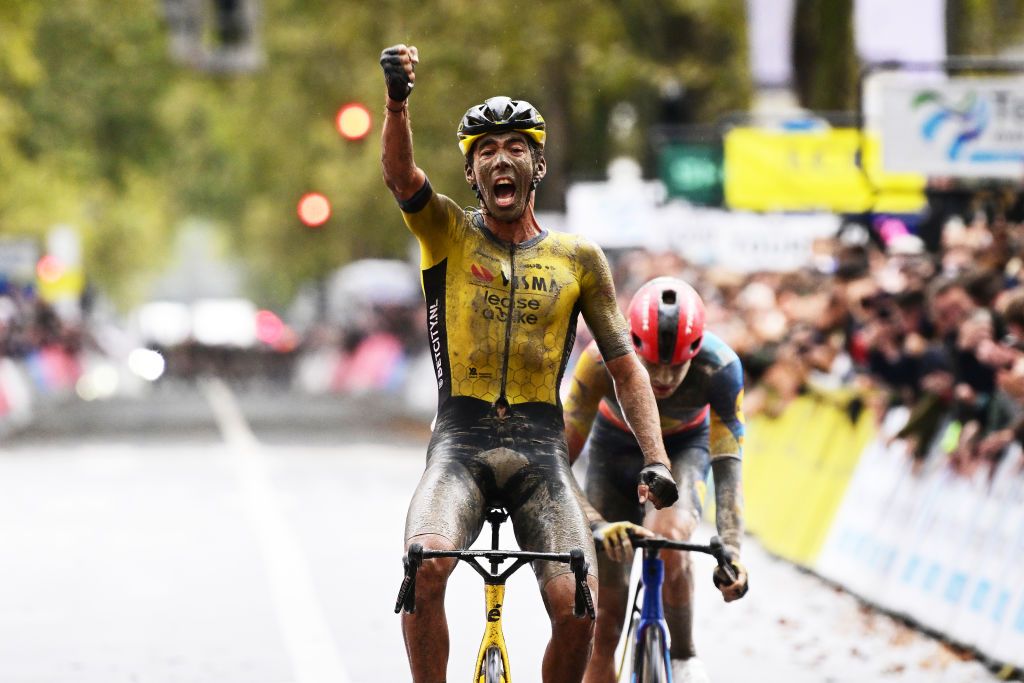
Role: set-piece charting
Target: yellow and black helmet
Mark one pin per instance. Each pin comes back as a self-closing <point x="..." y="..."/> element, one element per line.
<point x="500" y="114"/>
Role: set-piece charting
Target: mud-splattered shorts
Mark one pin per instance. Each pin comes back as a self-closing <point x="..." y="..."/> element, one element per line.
<point x="615" y="464"/>
<point x="477" y="460"/>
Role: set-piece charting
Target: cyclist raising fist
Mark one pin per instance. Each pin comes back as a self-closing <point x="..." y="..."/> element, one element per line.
<point x="503" y="295"/>
<point x="698" y="383"/>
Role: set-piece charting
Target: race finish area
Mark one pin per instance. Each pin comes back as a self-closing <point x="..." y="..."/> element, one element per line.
<point x="248" y="538"/>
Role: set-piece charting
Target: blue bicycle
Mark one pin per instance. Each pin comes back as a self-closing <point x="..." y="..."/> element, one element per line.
<point x="647" y="634"/>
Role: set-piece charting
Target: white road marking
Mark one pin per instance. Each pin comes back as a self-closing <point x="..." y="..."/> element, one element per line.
<point x="307" y="636"/>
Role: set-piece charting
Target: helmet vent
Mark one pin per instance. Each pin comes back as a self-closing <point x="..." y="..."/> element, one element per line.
<point x="668" y="297"/>
<point x="637" y="342"/>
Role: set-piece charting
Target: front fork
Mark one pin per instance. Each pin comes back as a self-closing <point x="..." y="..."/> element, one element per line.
<point x="494" y="596"/>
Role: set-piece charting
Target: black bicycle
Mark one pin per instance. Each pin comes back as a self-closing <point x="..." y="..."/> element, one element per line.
<point x="492" y="661"/>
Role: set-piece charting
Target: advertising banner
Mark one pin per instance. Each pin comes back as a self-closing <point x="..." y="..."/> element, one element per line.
<point x="737" y="240"/>
<point x="962" y="127"/>
<point x="936" y="546"/>
<point x="693" y="171"/>
<point x="818" y="169"/>
<point x="844" y="498"/>
<point x="616" y="214"/>
<point x="799" y="466"/>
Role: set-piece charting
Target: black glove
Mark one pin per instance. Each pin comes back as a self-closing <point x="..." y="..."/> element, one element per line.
<point x="733" y="583"/>
<point x="395" y="75"/>
<point x="660" y="483"/>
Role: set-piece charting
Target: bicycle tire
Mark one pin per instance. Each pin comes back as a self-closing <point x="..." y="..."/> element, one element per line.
<point x="494" y="667"/>
<point x="650" y="660"/>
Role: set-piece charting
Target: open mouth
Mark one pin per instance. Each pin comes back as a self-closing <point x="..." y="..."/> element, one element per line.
<point x="504" y="192"/>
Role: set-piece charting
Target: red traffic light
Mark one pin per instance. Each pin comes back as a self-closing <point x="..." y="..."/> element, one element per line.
<point x="353" y="121"/>
<point x="314" y="209"/>
<point x="49" y="269"/>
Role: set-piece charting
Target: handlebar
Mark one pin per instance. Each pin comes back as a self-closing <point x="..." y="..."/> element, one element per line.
<point x="715" y="548"/>
<point x="584" y="604"/>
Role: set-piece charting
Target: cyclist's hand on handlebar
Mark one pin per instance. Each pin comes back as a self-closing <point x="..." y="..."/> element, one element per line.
<point x="399" y="64"/>
<point x="732" y="587"/>
<point x="614" y="539"/>
<point x="657" y="485"/>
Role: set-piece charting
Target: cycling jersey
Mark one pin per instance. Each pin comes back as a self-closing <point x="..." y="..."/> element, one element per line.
<point x="501" y="320"/>
<point x="711" y="392"/>
<point x="501" y="317"/>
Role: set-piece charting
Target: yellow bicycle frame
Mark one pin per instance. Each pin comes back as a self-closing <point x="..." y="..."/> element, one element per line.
<point x="494" y="587"/>
<point x="494" y="595"/>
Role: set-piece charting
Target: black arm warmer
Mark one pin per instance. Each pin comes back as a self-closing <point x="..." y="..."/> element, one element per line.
<point x="419" y="200"/>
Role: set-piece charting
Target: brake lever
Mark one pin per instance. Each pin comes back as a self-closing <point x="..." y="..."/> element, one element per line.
<point x="724" y="559"/>
<point x="407" y="592"/>
<point x="584" y="604"/>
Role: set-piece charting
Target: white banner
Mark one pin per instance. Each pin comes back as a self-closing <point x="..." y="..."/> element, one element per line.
<point x="942" y="549"/>
<point x="908" y="30"/>
<point x="616" y="214"/>
<point x="745" y="242"/>
<point x="961" y="127"/>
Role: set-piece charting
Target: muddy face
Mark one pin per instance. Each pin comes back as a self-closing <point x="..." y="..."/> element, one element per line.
<point x="665" y="379"/>
<point x="503" y="168"/>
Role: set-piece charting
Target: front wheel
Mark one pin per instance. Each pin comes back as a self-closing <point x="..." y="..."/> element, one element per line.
<point x="650" y="661"/>
<point x="494" y="667"/>
<point x="625" y="673"/>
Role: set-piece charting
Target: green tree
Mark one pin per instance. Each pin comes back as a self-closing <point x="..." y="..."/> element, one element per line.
<point x="99" y="129"/>
<point x="825" y="67"/>
<point x="983" y="27"/>
<point x="87" y="149"/>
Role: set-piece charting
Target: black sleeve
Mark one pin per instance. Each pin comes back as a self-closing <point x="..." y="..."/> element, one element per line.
<point x="419" y="200"/>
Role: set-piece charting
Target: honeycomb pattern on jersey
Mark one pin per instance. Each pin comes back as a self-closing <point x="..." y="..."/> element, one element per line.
<point x="535" y="354"/>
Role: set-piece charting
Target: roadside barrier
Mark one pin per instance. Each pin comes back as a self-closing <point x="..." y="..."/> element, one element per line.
<point x="830" y="491"/>
<point x="798" y="467"/>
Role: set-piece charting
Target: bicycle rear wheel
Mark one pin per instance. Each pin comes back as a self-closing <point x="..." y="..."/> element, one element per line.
<point x="650" y="661"/>
<point x="494" y="668"/>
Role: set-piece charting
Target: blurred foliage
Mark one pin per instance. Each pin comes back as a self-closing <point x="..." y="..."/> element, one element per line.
<point x="825" y="66"/>
<point x="983" y="27"/>
<point x="99" y="129"/>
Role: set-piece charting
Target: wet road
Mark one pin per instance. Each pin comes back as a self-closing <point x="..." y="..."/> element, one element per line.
<point x="201" y="536"/>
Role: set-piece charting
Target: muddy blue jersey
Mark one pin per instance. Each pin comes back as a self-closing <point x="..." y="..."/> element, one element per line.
<point x="711" y="394"/>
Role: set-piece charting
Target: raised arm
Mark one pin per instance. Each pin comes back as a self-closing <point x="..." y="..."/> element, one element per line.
<point x="632" y="384"/>
<point x="401" y="174"/>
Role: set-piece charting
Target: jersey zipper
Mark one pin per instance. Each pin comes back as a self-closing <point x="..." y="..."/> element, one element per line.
<point x="502" y="402"/>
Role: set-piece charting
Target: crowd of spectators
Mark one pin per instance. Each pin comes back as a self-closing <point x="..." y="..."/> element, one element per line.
<point x="35" y="339"/>
<point x="887" y="315"/>
<point x="28" y="324"/>
<point x="926" y="313"/>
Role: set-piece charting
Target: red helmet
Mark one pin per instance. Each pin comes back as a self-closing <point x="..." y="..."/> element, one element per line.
<point x="666" y="318"/>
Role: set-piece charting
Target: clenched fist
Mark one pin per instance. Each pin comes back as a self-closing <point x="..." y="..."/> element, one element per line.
<point x="399" y="64"/>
